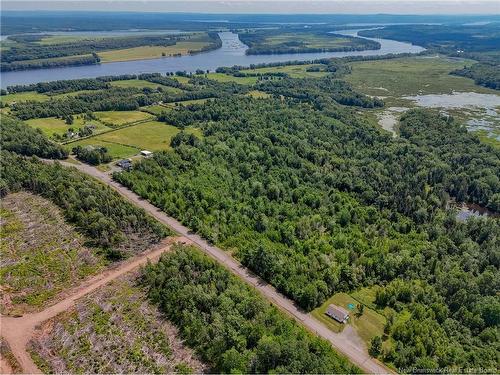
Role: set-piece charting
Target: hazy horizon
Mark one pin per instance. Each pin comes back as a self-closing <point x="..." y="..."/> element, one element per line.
<point x="421" y="7"/>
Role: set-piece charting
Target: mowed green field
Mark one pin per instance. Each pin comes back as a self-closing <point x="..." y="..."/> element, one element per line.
<point x="221" y="77"/>
<point x="119" y="118"/>
<point x="126" y="142"/>
<point x="53" y="125"/>
<point x="116" y="151"/>
<point x="23" y="97"/>
<point x="139" y="83"/>
<point x="294" y="71"/>
<point x="411" y="76"/>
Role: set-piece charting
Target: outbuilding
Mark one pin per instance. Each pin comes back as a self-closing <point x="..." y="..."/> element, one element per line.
<point x="338" y="313"/>
<point x="125" y="164"/>
<point x="146" y="153"/>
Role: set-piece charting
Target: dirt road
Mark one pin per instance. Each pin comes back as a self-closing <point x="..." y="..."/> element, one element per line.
<point x="350" y="349"/>
<point x="18" y="331"/>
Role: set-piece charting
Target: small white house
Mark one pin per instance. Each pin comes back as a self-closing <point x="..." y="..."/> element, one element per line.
<point x="146" y="153"/>
<point x="338" y="313"/>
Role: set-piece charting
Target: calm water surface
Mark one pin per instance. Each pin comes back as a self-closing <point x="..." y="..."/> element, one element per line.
<point x="231" y="53"/>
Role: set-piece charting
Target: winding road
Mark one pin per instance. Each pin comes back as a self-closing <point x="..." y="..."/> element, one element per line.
<point x="18" y="331"/>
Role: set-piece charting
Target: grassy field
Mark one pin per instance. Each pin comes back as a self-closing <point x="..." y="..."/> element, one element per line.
<point x="410" y="76"/>
<point x="221" y="77"/>
<point x="151" y="52"/>
<point x="113" y="330"/>
<point x="42" y="255"/>
<point x="152" y="136"/>
<point x="186" y="102"/>
<point x="119" y="118"/>
<point x="117" y="151"/>
<point x="59" y="39"/>
<point x="127" y="142"/>
<point x="23" y="97"/>
<point x="52" y="125"/>
<point x="139" y="83"/>
<point x="367" y="326"/>
<point x="294" y="71"/>
<point x="258" y="94"/>
<point x="155" y="109"/>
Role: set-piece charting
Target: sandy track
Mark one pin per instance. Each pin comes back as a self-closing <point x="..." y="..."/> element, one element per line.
<point x="18" y="331"/>
<point x="350" y="348"/>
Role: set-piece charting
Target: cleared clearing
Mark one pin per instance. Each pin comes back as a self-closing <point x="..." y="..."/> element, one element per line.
<point x="90" y="337"/>
<point x="41" y="254"/>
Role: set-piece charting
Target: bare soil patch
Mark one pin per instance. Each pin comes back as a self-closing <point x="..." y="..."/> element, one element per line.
<point x="112" y="330"/>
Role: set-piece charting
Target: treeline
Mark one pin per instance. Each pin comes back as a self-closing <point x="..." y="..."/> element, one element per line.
<point x="22" y="139"/>
<point x="51" y="63"/>
<point x="257" y="41"/>
<point x="122" y="99"/>
<point x="314" y="90"/>
<point x="61" y="86"/>
<point x="99" y="83"/>
<point x="316" y="205"/>
<point x="233" y="328"/>
<point x="102" y="215"/>
<point x="115" y="98"/>
<point x="484" y="74"/>
<point x="32" y="51"/>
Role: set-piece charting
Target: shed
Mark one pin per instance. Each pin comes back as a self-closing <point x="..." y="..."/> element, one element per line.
<point x="125" y="164"/>
<point x="146" y="153"/>
<point x="338" y="313"/>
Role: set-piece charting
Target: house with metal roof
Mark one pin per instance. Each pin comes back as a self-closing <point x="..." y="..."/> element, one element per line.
<point x="338" y="313"/>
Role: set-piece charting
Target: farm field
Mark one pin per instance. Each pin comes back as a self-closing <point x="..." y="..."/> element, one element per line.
<point x="119" y="118"/>
<point x="117" y="151"/>
<point x="152" y="136"/>
<point x="221" y="77"/>
<point x="139" y="83"/>
<point x="151" y="52"/>
<point x="90" y="337"/>
<point x="53" y="125"/>
<point x="42" y="254"/>
<point x="156" y="109"/>
<point x="294" y="71"/>
<point x="22" y="97"/>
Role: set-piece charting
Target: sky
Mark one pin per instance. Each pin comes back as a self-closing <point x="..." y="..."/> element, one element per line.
<point x="266" y="6"/>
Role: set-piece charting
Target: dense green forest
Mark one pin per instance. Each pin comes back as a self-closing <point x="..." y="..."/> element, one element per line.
<point x="316" y="201"/>
<point x="232" y="327"/>
<point x="112" y="224"/>
<point x="22" y="139"/>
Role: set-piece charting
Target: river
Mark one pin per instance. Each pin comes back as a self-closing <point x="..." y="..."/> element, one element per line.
<point x="231" y="53"/>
